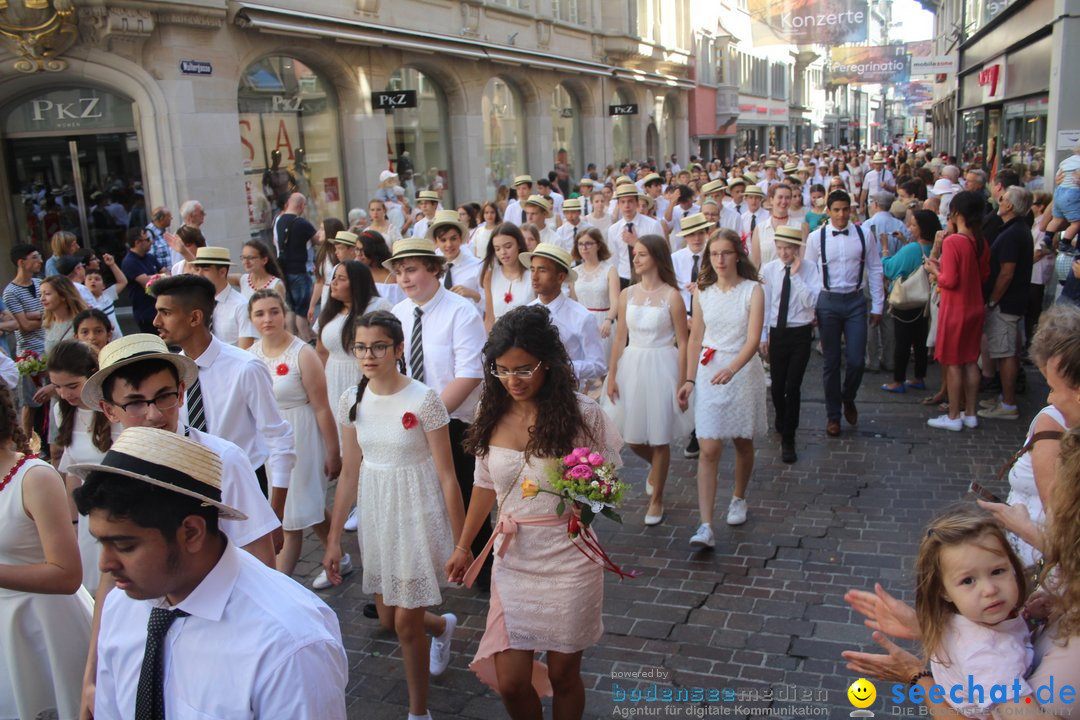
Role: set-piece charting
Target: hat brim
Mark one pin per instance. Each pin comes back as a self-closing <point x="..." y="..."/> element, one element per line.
<point x="525" y="258"/>
<point x="222" y="263"/>
<point x="224" y="511"/>
<point x="406" y="254"/>
<point x="789" y="241"/>
<point x="462" y="228"/>
<point x="695" y="229"/>
<point x="185" y="368"/>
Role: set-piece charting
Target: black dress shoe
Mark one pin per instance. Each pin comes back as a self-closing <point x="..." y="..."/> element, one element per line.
<point x="851" y="413"/>
<point x="787" y="453"/>
<point x="370" y="611"/>
<point x="692" y="450"/>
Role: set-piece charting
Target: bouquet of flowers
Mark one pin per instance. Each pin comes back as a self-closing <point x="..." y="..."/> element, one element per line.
<point x="153" y="279"/>
<point x="586" y="479"/>
<point x="29" y="363"/>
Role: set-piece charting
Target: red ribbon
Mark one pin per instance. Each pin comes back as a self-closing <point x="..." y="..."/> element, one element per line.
<point x="594" y="552"/>
<point x="707" y="355"/>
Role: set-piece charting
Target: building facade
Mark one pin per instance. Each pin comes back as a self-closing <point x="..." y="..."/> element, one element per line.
<point x="235" y="103"/>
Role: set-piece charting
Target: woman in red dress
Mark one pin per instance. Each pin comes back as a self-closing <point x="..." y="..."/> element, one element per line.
<point x="961" y="270"/>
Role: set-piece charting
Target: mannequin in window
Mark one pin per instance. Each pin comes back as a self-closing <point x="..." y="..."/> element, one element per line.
<point x="277" y="181"/>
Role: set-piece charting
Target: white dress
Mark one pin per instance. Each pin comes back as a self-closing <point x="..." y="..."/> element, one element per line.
<point x="737" y="409"/>
<point x="647" y="410"/>
<point x="44" y="639"/>
<point x="766" y="241"/>
<point x="1023" y="491"/>
<point x="82" y="451"/>
<point x="305" y="504"/>
<point x="247" y="290"/>
<point x="342" y="370"/>
<point x="519" y="291"/>
<point x="592" y="292"/>
<point x="405" y="538"/>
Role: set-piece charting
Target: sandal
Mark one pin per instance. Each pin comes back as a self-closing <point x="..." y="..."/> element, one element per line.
<point x="915" y="385"/>
<point x="899" y="389"/>
<point x="933" y="399"/>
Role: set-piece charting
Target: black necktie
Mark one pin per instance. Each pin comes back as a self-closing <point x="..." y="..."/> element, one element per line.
<point x="196" y="413"/>
<point x="785" y="299"/>
<point x="416" y="349"/>
<point x="448" y="279"/>
<point x="522" y="217"/>
<point x="839" y="232"/>
<point x="694" y="269"/>
<point x="738" y="208"/>
<point x="630" y="248"/>
<point x="150" y="697"/>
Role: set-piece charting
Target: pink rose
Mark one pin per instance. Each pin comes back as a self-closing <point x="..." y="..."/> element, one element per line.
<point x="596" y="459"/>
<point x="581" y="452"/>
<point x="580" y="472"/>
<point x="570" y="460"/>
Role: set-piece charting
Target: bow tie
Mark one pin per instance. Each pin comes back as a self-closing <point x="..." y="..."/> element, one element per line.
<point x="839" y="232"/>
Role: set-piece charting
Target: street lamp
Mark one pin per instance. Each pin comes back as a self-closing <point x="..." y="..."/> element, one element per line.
<point x="38" y="31"/>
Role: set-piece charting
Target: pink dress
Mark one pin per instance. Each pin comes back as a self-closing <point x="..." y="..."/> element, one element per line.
<point x="545" y="595"/>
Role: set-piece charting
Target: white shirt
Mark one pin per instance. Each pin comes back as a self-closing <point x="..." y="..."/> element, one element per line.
<point x="466" y="272"/>
<point x="875" y="181"/>
<point x="748" y="221"/>
<point x="453" y="337"/>
<point x="730" y="219"/>
<point x="601" y="223"/>
<point x="106" y="303"/>
<point x="564" y="236"/>
<point x="556" y="200"/>
<point x="239" y="489"/>
<point x="255" y="645"/>
<point x="579" y="334"/>
<point x="677" y="214"/>
<point x="683" y="261"/>
<point x="231" y="321"/>
<point x="844" y="258"/>
<point x="9" y="371"/>
<point x="802" y="303"/>
<point x="643" y="225"/>
<point x="239" y="405"/>
<point x="419" y="228"/>
<point x="514" y="213"/>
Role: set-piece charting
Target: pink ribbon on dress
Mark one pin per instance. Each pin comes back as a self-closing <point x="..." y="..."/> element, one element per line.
<point x="508" y="526"/>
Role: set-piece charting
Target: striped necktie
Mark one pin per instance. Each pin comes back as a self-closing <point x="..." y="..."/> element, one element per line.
<point x="416" y="346"/>
<point x="196" y="413"/>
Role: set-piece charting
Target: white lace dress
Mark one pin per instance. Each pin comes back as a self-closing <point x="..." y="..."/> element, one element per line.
<point x="247" y="289"/>
<point x="342" y="369"/>
<point x="305" y="504"/>
<point x="591" y="288"/>
<point x="647" y="410"/>
<point x="507" y="294"/>
<point x="405" y="538"/>
<point x="737" y="409"/>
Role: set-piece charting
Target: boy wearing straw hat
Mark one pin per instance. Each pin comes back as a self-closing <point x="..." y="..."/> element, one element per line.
<point x="199" y="624"/>
<point x="427" y="202"/>
<point x="515" y="210"/>
<point x="623" y="234"/>
<point x="537" y="212"/>
<point x="572" y="226"/>
<point x="231" y="322"/>
<point x="791" y="290"/>
<point x="461" y="272"/>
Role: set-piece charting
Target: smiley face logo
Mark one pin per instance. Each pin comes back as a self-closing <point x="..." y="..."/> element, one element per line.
<point x="862" y="693"/>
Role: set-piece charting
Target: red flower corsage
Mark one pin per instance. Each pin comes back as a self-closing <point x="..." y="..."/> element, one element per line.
<point x="282" y="369"/>
<point x="707" y="355"/>
<point x="409" y="421"/>
<point x="508" y="297"/>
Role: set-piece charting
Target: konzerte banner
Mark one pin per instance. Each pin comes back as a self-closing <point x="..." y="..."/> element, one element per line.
<point x="798" y="22"/>
<point x="869" y="65"/>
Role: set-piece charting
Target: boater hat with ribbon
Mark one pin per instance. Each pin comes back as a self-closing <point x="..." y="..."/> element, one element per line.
<point x="446" y="218"/>
<point x="789" y="234"/>
<point x="755" y="190"/>
<point x="572" y="204"/>
<point x="427" y="196"/>
<point x="551" y="252"/>
<point x="691" y="224"/>
<point x="132" y="349"/>
<point x="165" y="460"/>
<point x="713" y="186"/>
<point x="413" y="248"/>
<point x="627" y="190"/>
<point x="344" y="237"/>
<point x="211" y="255"/>
<point x="523" y="180"/>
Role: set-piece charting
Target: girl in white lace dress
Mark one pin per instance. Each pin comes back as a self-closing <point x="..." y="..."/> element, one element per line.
<point x="507" y="284"/>
<point x="300" y="391"/>
<point x="725" y="374"/>
<point x="644" y="377"/>
<point x="404" y="484"/>
<point x="597" y="284"/>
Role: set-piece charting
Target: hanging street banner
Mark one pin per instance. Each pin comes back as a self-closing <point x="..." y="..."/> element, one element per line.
<point x="869" y="65"/>
<point x="934" y="65"/>
<point x="915" y="93"/>
<point x="808" y="22"/>
<point x="920" y="48"/>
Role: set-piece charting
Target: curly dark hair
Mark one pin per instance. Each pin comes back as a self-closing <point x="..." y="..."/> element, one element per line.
<point x="560" y="424"/>
<point x="10" y="429"/>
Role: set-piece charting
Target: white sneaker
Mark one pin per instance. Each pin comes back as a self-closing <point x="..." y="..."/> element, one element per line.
<point x="736" y="512"/>
<point x="321" y="582"/>
<point x="944" y="422"/>
<point x="440" y="646"/>
<point x="970" y="421"/>
<point x="703" y="538"/>
<point x="992" y="402"/>
<point x="352" y="521"/>
<point x="1000" y="412"/>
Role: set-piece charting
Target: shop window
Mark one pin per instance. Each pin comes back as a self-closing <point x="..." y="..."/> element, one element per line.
<point x="566" y="130"/>
<point x="289" y="137"/>
<point x="417" y="138"/>
<point x="504" y="134"/>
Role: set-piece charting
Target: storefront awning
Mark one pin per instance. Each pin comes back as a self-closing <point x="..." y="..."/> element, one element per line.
<point x="283" y="21"/>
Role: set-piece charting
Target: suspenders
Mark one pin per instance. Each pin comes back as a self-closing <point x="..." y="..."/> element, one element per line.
<point x="825" y="263"/>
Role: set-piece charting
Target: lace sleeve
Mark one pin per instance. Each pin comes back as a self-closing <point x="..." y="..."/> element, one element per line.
<point x="344" y="406"/>
<point x="606" y="439"/>
<point x="433" y="413"/>
<point x="482" y="476"/>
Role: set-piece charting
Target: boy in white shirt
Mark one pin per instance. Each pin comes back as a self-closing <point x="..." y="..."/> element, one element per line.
<point x="105" y="297"/>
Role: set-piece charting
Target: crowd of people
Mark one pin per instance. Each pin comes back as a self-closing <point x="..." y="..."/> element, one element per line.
<point x="435" y="361"/>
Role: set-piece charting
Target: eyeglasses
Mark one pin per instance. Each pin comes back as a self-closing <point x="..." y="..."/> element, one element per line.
<point x="520" y="374"/>
<point x="378" y="350"/>
<point x="164" y="401"/>
<point x="587" y="243"/>
<point x="250" y="258"/>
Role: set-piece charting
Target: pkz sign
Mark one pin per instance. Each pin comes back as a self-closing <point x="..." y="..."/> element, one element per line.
<point x="70" y="109"/>
<point x="393" y="100"/>
<point x="630" y="109"/>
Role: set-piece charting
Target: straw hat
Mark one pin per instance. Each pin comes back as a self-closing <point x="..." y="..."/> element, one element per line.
<point x="691" y="224"/>
<point x="898" y="209"/>
<point x="551" y="252"/>
<point x="626" y="190"/>
<point x="132" y="349"/>
<point x="623" y="180"/>
<point x="736" y="181"/>
<point x="788" y="234"/>
<point x="713" y="186"/>
<point x="211" y="255"/>
<point x="651" y="178"/>
<point x="770" y="163"/>
<point x="167" y="460"/>
<point x="344" y="237"/>
<point x="572" y="204"/>
<point x="429" y="195"/>
<point x="444" y="218"/>
<point x="790" y="168"/>
<point x="751" y="178"/>
<point x="523" y="180"/>
<point x="755" y="190"/>
<point x="539" y="201"/>
<point x="878" y="159"/>
<point x="586" y="181"/>
<point x="414" y="247"/>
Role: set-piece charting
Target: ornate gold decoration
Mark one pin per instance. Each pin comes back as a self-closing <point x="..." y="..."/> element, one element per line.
<point x="39" y="34"/>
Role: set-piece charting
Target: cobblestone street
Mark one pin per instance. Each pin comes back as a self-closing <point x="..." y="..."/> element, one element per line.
<point x="764" y="612"/>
